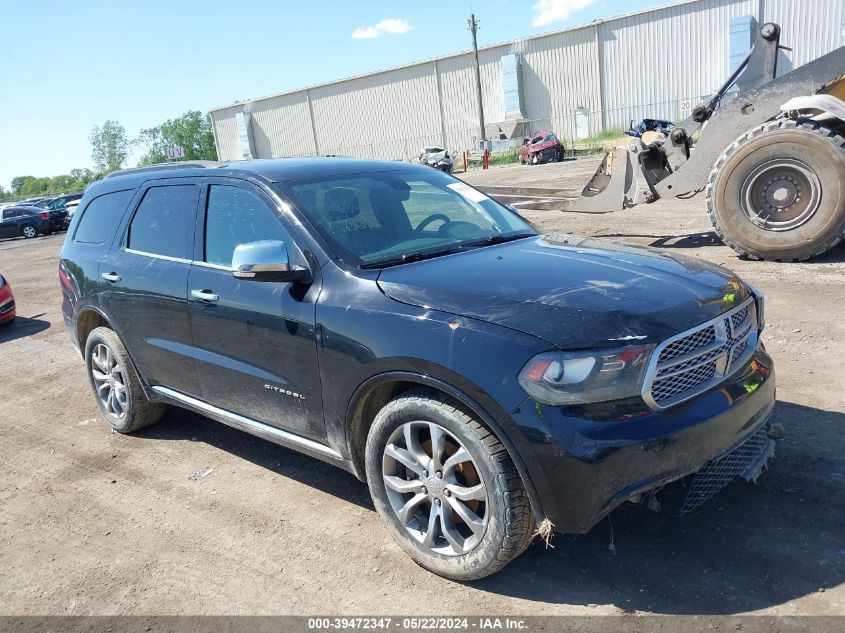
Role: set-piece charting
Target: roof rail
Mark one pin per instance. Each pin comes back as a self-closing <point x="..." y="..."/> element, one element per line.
<point x="210" y="164"/>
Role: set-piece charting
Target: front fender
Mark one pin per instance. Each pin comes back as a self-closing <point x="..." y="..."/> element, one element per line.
<point x="480" y="404"/>
<point x="815" y="104"/>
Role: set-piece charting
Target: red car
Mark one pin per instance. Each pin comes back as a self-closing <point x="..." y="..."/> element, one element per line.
<point x="7" y="302"/>
<point x="544" y="147"/>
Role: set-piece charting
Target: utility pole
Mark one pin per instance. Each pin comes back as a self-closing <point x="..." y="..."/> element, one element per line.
<point x="473" y="26"/>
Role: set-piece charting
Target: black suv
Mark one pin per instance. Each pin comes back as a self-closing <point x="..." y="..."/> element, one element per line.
<point x="486" y="381"/>
<point x="60" y="204"/>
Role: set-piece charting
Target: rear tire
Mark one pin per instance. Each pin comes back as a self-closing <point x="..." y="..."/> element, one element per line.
<point x="29" y="231"/>
<point x="778" y="192"/>
<point x="488" y="520"/>
<point x="116" y="385"/>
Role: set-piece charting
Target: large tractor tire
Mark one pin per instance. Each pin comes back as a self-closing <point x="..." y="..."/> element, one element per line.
<point x="778" y="191"/>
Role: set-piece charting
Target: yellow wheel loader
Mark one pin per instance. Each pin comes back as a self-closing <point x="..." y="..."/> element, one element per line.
<point x="770" y="158"/>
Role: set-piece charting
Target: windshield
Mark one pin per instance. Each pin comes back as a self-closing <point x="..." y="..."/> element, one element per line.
<point x="386" y="218"/>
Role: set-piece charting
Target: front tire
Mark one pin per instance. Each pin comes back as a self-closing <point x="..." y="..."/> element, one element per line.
<point x="778" y="192"/>
<point x="446" y="487"/>
<point x="116" y="385"/>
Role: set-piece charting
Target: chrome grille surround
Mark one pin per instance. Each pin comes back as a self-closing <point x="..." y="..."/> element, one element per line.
<point x="694" y="361"/>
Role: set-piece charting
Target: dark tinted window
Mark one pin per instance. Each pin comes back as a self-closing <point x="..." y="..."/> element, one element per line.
<point x="162" y="223"/>
<point x="237" y="216"/>
<point x="101" y="217"/>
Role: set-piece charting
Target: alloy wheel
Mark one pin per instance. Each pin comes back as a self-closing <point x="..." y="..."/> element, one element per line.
<point x="28" y="231"/>
<point x="109" y="381"/>
<point x="435" y="488"/>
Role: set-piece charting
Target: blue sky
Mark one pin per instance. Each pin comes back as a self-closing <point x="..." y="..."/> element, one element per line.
<point x="68" y="66"/>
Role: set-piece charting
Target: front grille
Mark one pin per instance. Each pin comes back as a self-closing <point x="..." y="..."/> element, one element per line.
<point x="689" y="343"/>
<point x="667" y="388"/>
<point x="7" y="305"/>
<point x="739" y="317"/>
<point x="698" y="359"/>
<point x="715" y="475"/>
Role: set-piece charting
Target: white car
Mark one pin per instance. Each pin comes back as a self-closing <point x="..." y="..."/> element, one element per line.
<point x="71" y="208"/>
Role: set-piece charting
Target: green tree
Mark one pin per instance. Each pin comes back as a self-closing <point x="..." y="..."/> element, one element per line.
<point x="18" y="182"/>
<point x="35" y="186"/>
<point x="83" y="176"/>
<point x="27" y="186"/>
<point x="109" y="146"/>
<point x="191" y="131"/>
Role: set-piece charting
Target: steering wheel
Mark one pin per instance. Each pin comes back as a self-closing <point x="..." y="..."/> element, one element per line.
<point x="432" y="218"/>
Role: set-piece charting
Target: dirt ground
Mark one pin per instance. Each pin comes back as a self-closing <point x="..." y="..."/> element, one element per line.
<point x="98" y="523"/>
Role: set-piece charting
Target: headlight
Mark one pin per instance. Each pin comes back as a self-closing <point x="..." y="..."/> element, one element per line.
<point x="2" y="281"/>
<point x="563" y="378"/>
<point x="761" y="300"/>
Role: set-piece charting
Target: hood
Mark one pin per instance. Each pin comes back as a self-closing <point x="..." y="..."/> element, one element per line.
<point x="544" y="144"/>
<point x="572" y="291"/>
<point x="433" y="157"/>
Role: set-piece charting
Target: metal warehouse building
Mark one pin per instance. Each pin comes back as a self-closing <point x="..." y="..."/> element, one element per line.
<point x="578" y="82"/>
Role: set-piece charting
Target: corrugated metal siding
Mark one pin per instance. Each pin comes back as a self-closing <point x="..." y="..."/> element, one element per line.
<point x="810" y="27"/>
<point x="226" y="133"/>
<point x="281" y="126"/>
<point x="644" y="63"/>
<point x="653" y="60"/>
<point x="560" y="74"/>
<point x="460" y="97"/>
<point x="370" y="116"/>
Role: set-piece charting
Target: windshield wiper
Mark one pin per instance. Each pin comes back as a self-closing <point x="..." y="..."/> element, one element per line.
<point x="498" y="238"/>
<point x="415" y="257"/>
<point x="406" y="258"/>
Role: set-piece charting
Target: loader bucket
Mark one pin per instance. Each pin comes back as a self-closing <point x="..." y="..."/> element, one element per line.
<point x="605" y="192"/>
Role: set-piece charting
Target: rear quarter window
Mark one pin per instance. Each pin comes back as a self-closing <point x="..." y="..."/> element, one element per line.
<point x="101" y="216"/>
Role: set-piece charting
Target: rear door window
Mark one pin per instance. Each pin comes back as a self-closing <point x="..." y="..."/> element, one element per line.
<point x="164" y="221"/>
<point x="101" y="217"/>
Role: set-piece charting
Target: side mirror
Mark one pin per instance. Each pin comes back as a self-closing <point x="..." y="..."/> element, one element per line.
<point x="266" y="260"/>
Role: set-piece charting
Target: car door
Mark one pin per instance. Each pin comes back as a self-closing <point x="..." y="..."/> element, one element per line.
<point x="8" y="228"/>
<point x="255" y="341"/>
<point x="145" y="281"/>
<point x="20" y="218"/>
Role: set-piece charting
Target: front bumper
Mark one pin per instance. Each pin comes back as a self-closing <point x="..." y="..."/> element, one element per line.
<point x="585" y="461"/>
<point x="7" y="307"/>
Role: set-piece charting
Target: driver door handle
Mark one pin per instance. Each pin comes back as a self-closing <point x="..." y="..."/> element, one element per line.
<point x="204" y="295"/>
<point x="112" y="277"/>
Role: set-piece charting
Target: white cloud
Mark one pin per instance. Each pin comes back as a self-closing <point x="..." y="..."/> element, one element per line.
<point x="365" y="33"/>
<point x="393" y="26"/>
<point x="548" y="11"/>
